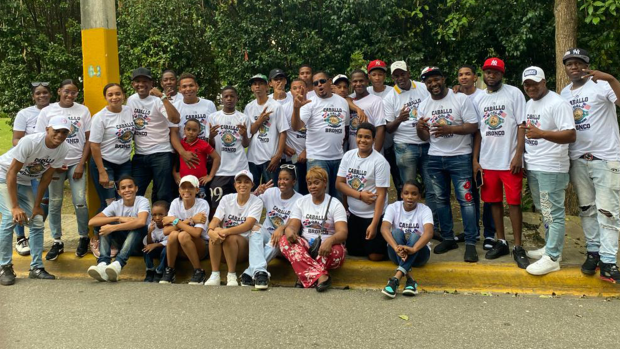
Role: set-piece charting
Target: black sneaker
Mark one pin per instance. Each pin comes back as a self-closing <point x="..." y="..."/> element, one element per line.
<point x="262" y="280"/>
<point x="391" y="287"/>
<point x="488" y="244"/>
<point x="445" y="246"/>
<point x="246" y="280"/>
<point x="520" y="256"/>
<point x="437" y="236"/>
<point x="157" y="277"/>
<point x="82" y="248"/>
<point x="7" y="275"/>
<point x="41" y="274"/>
<point x="411" y="287"/>
<point x="500" y="249"/>
<point x="471" y="255"/>
<point x="55" y="251"/>
<point x="150" y="275"/>
<point x="609" y="272"/>
<point x="591" y="263"/>
<point x="168" y="277"/>
<point x="198" y="278"/>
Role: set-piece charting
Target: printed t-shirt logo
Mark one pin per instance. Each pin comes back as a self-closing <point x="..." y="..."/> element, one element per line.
<point x="36" y="167"/>
<point x="75" y="128"/>
<point x="125" y="135"/>
<point x="233" y="221"/>
<point x="494" y="119"/>
<point x="581" y="111"/>
<point x="356" y="179"/>
<point x="277" y="217"/>
<point x="228" y="138"/>
<point x="333" y="119"/>
<point x="141" y="121"/>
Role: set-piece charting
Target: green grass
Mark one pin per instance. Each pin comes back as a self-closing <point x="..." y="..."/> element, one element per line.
<point x="6" y="135"/>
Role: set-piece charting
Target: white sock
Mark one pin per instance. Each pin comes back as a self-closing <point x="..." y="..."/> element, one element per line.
<point x="214" y="274"/>
<point x="234" y="275"/>
<point x="503" y="241"/>
<point x="57" y="240"/>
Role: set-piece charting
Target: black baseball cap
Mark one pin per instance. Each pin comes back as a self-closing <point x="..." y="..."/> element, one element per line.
<point x="275" y="73"/>
<point x="430" y="71"/>
<point x="576" y="53"/>
<point x="141" y="72"/>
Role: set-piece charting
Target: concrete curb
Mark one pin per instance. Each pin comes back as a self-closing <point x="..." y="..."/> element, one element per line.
<point x="364" y="274"/>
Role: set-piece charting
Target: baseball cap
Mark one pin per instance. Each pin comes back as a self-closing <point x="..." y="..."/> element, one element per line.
<point x="376" y="64"/>
<point x="430" y="71"/>
<point x="258" y="77"/>
<point x="495" y="64"/>
<point x="339" y="77"/>
<point x="576" y="53"/>
<point x="276" y="72"/>
<point x="533" y="73"/>
<point x="59" y="122"/>
<point x="141" y="72"/>
<point x="191" y="180"/>
<point x="398" y="65"/>
<point x="245" y="173"/>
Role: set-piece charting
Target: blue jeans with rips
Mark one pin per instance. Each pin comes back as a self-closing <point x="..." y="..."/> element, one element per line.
<point x="19" y="230"/>
<point x="261" y="251"/>
<point x="78" y="195"/>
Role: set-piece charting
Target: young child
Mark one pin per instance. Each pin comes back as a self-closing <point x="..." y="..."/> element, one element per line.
<point x="155" y="243"/>
<point x="203" y="150"/>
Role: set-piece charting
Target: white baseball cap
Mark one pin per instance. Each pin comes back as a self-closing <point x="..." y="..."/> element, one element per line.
<point x="533" y="73"/>
<point x="339" y="77"/>
<point x="245" y="173"/>
<point x="59" y="122"/>
<point x="398" y="65"/>
<point x="191" y="180"/>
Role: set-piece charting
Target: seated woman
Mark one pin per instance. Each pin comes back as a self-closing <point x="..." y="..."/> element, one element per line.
<point x="314" y="214"/>
<point x="230" y="228"/>
<point x="407" y="227"/>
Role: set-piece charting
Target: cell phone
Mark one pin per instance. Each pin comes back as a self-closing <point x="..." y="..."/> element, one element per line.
<point x="479" y="179"/>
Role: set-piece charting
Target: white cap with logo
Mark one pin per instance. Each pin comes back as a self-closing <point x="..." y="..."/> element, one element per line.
<point x="398" y="65"/>
<point x="59" y="122"/>
<point x="245" y="173"/>
<point x="191" y="180"/>
<point x="339" y="77"/>
<point x="533" y="73"/>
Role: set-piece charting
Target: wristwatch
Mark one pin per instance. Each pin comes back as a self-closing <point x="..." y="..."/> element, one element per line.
<point x="164" y="97"/>
<point x="175" y="222"/>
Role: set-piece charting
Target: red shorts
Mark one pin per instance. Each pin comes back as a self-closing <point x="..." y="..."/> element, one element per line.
<point x="491" y="190"/>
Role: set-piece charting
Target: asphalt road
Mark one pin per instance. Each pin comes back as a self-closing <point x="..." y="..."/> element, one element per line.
<point x="85" y="314"/>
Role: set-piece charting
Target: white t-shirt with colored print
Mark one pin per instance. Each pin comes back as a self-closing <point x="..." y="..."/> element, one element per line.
<point x="118" y="209"/>
<point x="499" y="116"/>
<point x="26" y="120"/>
<point x="178" y="210"/>
<point x="454" y="109"/>
<point x="79" y="116"/>
<point x="594" y="111"/>
<point x="36" y="157"/>
<point x="411" y="222"/>
<point x="364" y="174"/>
<point x="294" y="139"/>
<point x="265" y="141"/>
<point x="199" y="111"/>
<point x="229" y="142"/>
<point x="231" y="214"/>
<point x="152" y="125"/>
<point x="157" y="236"/>
<point x="311" y="216"/>
<point x="325" y="120"/>
<point x="551" y="113"/>
<point x="114" y="132"/>
<point x="410" y="99"/>
<point x="373" y="108"/>
<point x="278" y="209"/>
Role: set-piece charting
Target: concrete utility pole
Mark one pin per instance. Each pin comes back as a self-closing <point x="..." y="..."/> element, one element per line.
<point x="100" y="62"/>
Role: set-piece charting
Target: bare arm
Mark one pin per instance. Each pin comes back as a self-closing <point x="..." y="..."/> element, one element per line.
<point x="380" y="138"/>
<point x="17" y="135"/>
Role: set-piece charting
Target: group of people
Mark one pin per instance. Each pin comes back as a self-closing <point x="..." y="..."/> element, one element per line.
<point x="319" y="162"/>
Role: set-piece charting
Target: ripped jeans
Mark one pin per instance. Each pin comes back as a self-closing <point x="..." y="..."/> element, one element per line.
<point x="597" y="184"/>
<point x="548" y="192"/>
<point x="78" y="194"/>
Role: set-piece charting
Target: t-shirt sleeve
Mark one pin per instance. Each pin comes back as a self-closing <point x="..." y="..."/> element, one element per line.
<point x="469" y="112"/>
<point x="379" y="113"/>
<point x="143" y="205"/>
<point x="97" y="129"/>
<point x="20" y="122"/>
<point x="42" y="121"/>
<point x="382" y="176"/>
<point x="305" y="112"/>
<point x="174" y="209"/>
<point x="519" y="111"/>
<point x="87" y="120"/>
<point x="207" y="149"/>
<point x="388" y="107"/>
<point x="282" y="122"/>
<point x="344" y="164"/>
<point x="248" y="125"/>
<point x="256" y="210"/>
<point x="23" y="149"/>
<point x="111" y="209"/>
<point x="220" y="212"/>
<point x="563" y="116"/>
<point x="160" y="108"/>
<point x="422" y="109"/>
<point x="390" y="214"/>
<point x="609" y="92"/>
<point x="296" y="211"/>
<point x="338" y="211"/>
<point x="427" y="216"/>
<point x="203" y="208"/>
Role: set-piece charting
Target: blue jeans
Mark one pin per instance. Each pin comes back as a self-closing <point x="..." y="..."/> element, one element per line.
<point x="115" y="172"/>
<point x="597" y="184"/>
<point x="261" y="251"/>
<point x="260" y="170"/>
<point x="157" y="168"/>
<point x="548" y="191"/>
<point x="390" y="156"/>
<point x="417" y="259"/>
<point x="458" y="170"/>
<point x="159" y="253"/>
<point x="78" y="195"/>
<point x="487" y="216"/>
<point x="331" y="167"/>
<point x="25" y="199"/>
<point x="129" y="240"/>
<point x="19" y="230"/>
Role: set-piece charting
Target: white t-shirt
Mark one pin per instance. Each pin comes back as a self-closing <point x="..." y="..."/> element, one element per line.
<point x="79" y="116"/>
<point x="177" y="209"/>
<point x="118" y="209"/>
<point x="552" y="113"/>
<point x="178" y="97"/>
<point x="36" y="157"/>
<point x="114" y="132"/>
<point x="231" y="214"/>
<point x="278" y="209"/>
<point x="411" y="222"/>
<point x="311" y="216"/>
<point x="410" y="99"/>
<point x="364" y="174"/>
<point x="383" y="94"/>
<point x="265" y="141"/>
<point x="325" y="120"/>
<point x="199" y="111"/>
<point x="152" y="126"/>
<point x="310" y="93"/>
<point x="229" y="142"/>
<point x="594" y="111"/>
<point x="499" y="116"/>
<point x="373" y="108"/>
<point x="288" y="99"/>
<point x="26" y="120"/>
<point x="454" y="109"/>
<point x="157" y="236"/>
<point x="294" y="139"/>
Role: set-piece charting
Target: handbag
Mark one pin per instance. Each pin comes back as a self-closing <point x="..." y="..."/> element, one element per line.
<point x="316" y="244"/>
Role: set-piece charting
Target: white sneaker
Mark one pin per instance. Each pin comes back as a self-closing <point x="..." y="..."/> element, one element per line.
<point x="231" y="279"/>
<point x="22" y="246"/>
<point x="537" y="254"/>
<point x="98" y="273"/>
<point x="214" y="280"/>
<point x="114" y="271"/>
<point x="544" y="266"/>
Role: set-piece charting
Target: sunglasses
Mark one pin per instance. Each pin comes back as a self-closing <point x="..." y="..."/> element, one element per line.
<point x="287" y="166"/>
<point x="320" y="81"/>
<point x="39" y="83"/>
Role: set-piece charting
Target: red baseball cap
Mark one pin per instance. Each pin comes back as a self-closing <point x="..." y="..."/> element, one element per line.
<point x="495" y="64"/>
<point x="377" y="64"/>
